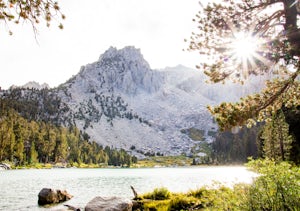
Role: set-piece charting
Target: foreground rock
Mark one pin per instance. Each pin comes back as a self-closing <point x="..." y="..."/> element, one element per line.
<point x="109" y="204"/>
<point x="4" y="166"/>
<point x="50" y="196"/>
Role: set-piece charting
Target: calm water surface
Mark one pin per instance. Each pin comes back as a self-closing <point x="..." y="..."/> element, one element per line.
<point x="19" y="188"/>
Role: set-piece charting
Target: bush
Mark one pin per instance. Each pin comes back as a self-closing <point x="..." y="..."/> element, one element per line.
<point x="158" y="194"/>
<point x="277" y="187"/>
<point x="182" y="202"/>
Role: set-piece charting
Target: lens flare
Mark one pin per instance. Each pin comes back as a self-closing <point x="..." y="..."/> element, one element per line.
<point x="244" y="46"/>
<point x="245" y="53"/>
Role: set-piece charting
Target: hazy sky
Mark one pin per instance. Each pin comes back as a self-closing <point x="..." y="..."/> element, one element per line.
<point x="157" y="27"/>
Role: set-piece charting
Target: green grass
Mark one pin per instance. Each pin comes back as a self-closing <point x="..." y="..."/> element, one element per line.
<point x="164" y="161"/>
<point x="222" y="198"/>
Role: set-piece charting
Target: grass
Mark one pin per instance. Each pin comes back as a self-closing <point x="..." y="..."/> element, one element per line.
<point x="57" y="165"/>
<point x="194" y="133"/>
<point x="277" y="188"/>
<point x="166" y="161"/>
<point x="221" y="198"/>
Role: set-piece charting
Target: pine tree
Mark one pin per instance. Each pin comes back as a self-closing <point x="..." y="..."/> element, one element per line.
<point x="277" y="141"/>
<point x="33" y="157"/>
<point x="61" y="148"/>
<point x="271" y="30"/>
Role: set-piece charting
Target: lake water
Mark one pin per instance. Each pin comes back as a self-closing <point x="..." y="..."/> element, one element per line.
<point x="20" y="188"/>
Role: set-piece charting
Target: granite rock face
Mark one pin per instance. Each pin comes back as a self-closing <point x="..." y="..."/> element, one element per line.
<point x="109" y="204"/>
<point x="50" y="196"/>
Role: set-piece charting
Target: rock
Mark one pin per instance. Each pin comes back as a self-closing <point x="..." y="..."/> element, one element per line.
<point x="137" y="205"/>
<point x="4" y="166"/>
<point x="109" y="204"/>
<point x="70" y="207"/>
<point x="50" y="196"/>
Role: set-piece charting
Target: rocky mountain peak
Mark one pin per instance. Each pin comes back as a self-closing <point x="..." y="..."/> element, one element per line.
<point x="127" y="54"/>
<point x="123" y="69"/>
<point x="120" y="101"/>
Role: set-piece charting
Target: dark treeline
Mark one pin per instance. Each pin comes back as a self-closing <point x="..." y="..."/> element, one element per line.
<point x="235" y="148"/>
<point x="277" y="139"/>
<point x="292" y="117"/>
<point x="25" y="142"/>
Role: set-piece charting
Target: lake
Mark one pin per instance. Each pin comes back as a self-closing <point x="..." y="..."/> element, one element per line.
<point x="20" y="188"/>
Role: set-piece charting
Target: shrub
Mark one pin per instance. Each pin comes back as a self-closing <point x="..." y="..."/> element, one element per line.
<point x="183" y="202"/>
<point x="277" y="187"/>
<point x="158" y="194"/>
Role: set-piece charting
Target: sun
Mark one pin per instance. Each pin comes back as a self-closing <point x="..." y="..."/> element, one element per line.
<point x="244" y="46"/>
<point x="245" y="53"/>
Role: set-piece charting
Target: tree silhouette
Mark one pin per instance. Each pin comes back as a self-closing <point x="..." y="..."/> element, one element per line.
<point x="243" y="38"/>
<point x="32" y="11"/>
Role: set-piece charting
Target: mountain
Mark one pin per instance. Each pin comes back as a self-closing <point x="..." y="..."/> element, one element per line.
<point x="121" y="102"/>
<point x="33" y="85"/>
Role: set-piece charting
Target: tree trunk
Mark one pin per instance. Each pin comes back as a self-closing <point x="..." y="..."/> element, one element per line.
<point x="281" y="143"/>
<point x="292" y="31"/>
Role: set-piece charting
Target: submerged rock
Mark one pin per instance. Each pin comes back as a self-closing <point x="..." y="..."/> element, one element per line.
<point x="109" y="204"/>
<point x="50" y="196"/>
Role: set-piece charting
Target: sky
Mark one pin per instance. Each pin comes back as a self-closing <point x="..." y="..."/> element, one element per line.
<point x="157" y="27"/>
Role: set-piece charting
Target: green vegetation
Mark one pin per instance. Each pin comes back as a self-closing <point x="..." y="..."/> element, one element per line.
<point x="158" y="194"/>
<point x="30" y="143"/>
<point x="34" y="12"/>
<point x="276" y="188"/>
<point x="231" y="148"/>
<point x="272" y="30"/>
<point x="220" y="26"/>
<point x="194" y="133"/>
<point x="276" y="138"/>
<point x="164" y="161"/>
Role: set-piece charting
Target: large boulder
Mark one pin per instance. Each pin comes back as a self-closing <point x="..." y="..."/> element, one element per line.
<point x="109" y="204"/>
<point x="50" y="196"/>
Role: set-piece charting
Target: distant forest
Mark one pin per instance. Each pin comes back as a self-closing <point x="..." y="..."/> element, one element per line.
<point x="26" y="142"/>
<point x="31" y="132"/>
<point x="236" y="148"/>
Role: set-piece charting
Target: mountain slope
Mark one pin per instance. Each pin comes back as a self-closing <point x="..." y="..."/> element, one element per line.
<point x="121" y="102"/>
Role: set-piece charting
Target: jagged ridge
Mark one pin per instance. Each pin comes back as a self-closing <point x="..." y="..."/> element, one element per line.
<point x="121" y="102"/>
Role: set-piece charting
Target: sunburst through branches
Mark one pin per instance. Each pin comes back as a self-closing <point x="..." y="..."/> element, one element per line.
<point x="245" y="52"/>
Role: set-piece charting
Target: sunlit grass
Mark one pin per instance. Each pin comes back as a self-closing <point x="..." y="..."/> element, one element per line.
<point x="164" y="161"/>
<point x="277" y="188"/>
<point x="221" y="198"/>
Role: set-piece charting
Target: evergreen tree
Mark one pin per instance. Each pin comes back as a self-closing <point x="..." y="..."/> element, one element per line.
<point x="24" y="142"/>
<point x="61" y="147"/>
<point x="235" y="148"/>
<point x="33" y="157"/>
<point x="292" y="117"/>
<point x="19" y="130"/>
<point x="242" y="38"/>
<point x="277" y="141"/>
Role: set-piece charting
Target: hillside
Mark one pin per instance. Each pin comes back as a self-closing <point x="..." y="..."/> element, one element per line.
<point x="119" y="101"/>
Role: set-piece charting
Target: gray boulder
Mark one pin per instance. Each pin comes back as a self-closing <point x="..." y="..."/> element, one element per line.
<point x="109" y="204"/>
<point x="4" y="166"/>
<point x="50" y="196"/>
